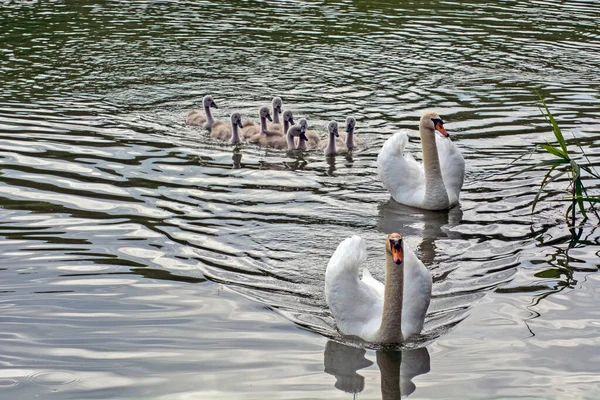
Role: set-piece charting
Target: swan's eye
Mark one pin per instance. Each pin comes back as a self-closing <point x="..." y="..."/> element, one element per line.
<point x="437" y="121"/>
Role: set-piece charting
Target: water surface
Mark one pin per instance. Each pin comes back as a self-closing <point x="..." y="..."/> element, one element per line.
<point x="143" y="259"/>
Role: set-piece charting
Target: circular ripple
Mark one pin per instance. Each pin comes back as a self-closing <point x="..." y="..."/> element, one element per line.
<point x="53" y="378"/>
<point x="8" y="383"/>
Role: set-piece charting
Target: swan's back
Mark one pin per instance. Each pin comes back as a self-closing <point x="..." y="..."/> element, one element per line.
<point x="196" y="118"/>
<point x="417" y="294"/>
<point x="403" y="177"/>
<point x="452" y="164"/>
<point x="356" y="306"/>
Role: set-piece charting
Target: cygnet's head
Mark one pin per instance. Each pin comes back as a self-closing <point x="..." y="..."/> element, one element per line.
<point x="332" y="128"/>
<point x="277" y="104"/>
<point x="395" y="248"/>
<point x="350" y="124"/>
<point x="264" y="113"/>
<point x="431" y="121"/>
<point x="208" y="101"/>
<point x="303" y="124"/>
<point x="236" y="119"/>
<point x="287" y="116"/>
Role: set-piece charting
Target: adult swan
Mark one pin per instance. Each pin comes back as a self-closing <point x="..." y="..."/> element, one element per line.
<point x="433" y="185"/>
<point x="366" y="308"/>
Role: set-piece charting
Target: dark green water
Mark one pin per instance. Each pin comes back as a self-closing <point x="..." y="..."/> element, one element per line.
<point x="143" y="260"/>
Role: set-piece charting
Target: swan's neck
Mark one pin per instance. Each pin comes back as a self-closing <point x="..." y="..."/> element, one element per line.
<point x="263" y="124"/>
<point x="209" y="117"/>
<point x="301" y="144"/>
<point x="331" y="146"/>
<point x="290" y="141"/>
<point x="350" y="138"/>
<point x="390" y="330"/>
<point x="286" y="125"/>
<point x="235" y="137"/>
<point x="275" y="116"/>
<point x="435" y="190"/>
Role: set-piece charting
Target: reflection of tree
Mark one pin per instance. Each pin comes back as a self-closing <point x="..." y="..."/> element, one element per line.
<point x="397" y="368"/>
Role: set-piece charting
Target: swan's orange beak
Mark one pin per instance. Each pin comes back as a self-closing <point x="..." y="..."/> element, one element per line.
<point x="440" y="128"/>
<point x="397" y="251"/>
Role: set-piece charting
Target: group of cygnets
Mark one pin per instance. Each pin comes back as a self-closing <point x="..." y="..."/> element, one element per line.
<point x="274" y="132"/>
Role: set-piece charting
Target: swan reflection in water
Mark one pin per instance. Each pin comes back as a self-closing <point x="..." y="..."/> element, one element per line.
<point x="429" y="225"/>
<point x="397" y="368"/>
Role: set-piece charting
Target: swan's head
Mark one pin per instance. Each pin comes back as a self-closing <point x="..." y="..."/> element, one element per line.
<point x="208" y="101"/>
<point x="277" y="104"/>
<point x="350" y="124"/>
<point x="332" y="128"/>
<point x="236" y="119"/>
<point x="299" y="130"/>
<point x="287" y="116"/>
<point x="430" y="120"/>
<point x="395" y="248"/>
<point x="264" y="113"/>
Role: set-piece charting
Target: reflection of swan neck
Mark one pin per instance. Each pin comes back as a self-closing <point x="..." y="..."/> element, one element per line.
<point x="390" y="330"/>
<point x="435" y="190"/>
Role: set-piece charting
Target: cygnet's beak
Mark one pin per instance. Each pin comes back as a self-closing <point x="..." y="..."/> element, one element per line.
<point x="268" y="116"/>
<point x="291" y="121"/>
<point x="239" y="124"/>
<point x="213" y="105"/>
<point x="303" y="137"/>
<point x="336" y="134"/>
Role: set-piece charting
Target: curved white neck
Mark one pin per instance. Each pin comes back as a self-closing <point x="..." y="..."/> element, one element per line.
<point x="390" y="330"/>
<point x="435" y="190"/>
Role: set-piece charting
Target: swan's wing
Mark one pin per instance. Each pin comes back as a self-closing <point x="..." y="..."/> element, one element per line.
<point x="355" y="305"/>
<point x="195" y="117"/>
<point x="417" y="294"/>
<point x="400" y="173"/>
<point x="453" y="167"/>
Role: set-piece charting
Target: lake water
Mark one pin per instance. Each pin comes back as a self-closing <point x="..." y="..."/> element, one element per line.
<point x="142" y="259"/>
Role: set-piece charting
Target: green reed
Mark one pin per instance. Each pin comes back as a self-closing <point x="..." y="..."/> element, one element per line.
<point x="564" y="164"/>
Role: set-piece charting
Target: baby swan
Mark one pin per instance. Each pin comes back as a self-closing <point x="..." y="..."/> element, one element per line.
<point x="263" y="138"/>
<point x="277" y="104"/>
<point x="250" y="130"/>
<point x="223" y="131"/>
<point x="206" y="120"/>
<point x="296" y="131"/>
<point x="348" y="137"/>
<point x="308" y="141"/>
<point x="330" y="147"/>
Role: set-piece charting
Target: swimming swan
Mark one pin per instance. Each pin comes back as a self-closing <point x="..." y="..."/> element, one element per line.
<point x="267" y="138"/>
<point x="433" y="185"/>
<point x="348" y="136"/>
<point x="250" y="130"/>
<point x="330" y="147"/>
<point x="277" y="104"/>
<point x="206" y="120"/>
<point x="223" y="131"/>
<point x="366" y="308"/>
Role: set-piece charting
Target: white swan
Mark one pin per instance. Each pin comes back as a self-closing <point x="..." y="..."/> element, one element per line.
<point x="334" y="145"/>
<point x="433" y="185"/>
<point x="223" y="131"/>
<point x="348" y="136"/>
<point x="206" y="120"/>
<point x="368" y="309"/>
